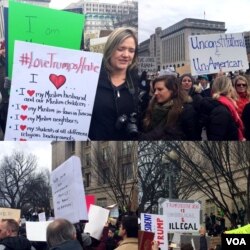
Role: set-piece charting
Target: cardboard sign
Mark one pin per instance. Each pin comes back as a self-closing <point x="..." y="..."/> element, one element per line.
<point x="10" y="213"/>
<point x="52" y="93"/>
<point x="67" y="188"/>
<point x="98" y="216"/>
<point x="90" y="200"/>
<point x="157" y="224"/>
<point x="42" y="216"/>
<point x="44" y="26"/>
<point x="36" y="231"/>
<point x="145" y="240"/>
<point x="147" y="64"/>
<point x="182" y="216"/>
<point x="212" y="53"/>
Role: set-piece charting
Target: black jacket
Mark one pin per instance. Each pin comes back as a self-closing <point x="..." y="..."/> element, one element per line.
<point x="68" y="245"/>
<point x="246" y="120"/>
<point x="111" y="103"/>
<point x="218" y="121"/>
<point x="185" y="128"/>
<point x="16" y="243"/>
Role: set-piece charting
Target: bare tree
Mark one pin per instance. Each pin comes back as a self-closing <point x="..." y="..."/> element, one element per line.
<point x="20" y="185"/>
<point x="158" y="176"/>
<point x="116" y="173"/>
<point x="220" y="170"/>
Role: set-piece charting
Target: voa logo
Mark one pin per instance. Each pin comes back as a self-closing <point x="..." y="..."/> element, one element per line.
<point x="236" y="241"/>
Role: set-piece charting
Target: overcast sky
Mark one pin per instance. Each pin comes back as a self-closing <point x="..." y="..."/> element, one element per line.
<point x="41" y="149"/>
<point x="164" y="13"/>
<point x="60" y="4"/>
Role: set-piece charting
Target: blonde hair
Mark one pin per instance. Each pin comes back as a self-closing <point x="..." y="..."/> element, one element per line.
<point x="222" y="86"/>
<point x="114" y="40"/>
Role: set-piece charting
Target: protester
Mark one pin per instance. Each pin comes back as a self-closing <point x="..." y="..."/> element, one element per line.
<point x="115" y="107"/>
<point x="9" y="237"/>
<point x="129" y="232"/>
<point x="243" y="90"/>
<point x="219" y="115"/>
<point x="61" y="235"/>
<point x="170" y="114"/>
<point x="187" y="83"/>
<point x="203" y="240"/>
<point x="204" y="82"/>
<point x="246" y="120"/>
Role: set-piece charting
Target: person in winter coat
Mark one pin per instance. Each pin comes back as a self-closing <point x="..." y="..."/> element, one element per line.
<point x="219" y="114"/>
<point x="170" y="114"/>
<point x="129" y="232"/>
<point x="61" y="235"/>
<point x="115" y="108"/>
<point x="9" y="238"/>
<point x="246" y="120"/>
<point x="242" y="88"/>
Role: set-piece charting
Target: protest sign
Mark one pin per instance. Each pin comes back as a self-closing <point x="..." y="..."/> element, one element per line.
<point x="42" y="216"/>
<point x="147" y="64"/>
<point x="10" y="213"/>
<point x="52" y="93"/>
<point x="157" y="224"/>
<point x="36" y="230"/>
<point x="98" y="216"/>
<point x="182" y="216"/>
<point x="67" y="188"/>
<point x="44" y="26"/>
<point x="90" y="199"/>
<point x="114" y="211"/>
<point x="183" y="70"/>
<point x="212" y="53"/>
<point x="145" y="240"/>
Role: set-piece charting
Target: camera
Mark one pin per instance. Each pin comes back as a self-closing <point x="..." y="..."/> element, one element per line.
<point x="127" y="123"/>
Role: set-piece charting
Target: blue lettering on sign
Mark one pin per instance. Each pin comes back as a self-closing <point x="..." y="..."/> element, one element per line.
<point x="148" y="222"/>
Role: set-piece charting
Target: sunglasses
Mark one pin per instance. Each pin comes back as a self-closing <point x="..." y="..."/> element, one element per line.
<point x="241" y="85"/>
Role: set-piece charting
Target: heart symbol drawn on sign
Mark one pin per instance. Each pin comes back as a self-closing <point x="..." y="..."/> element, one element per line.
<point x="22" y="127"/>
<point x="58" y="81"/>
<point x="24" y="107"/>
<point x="23" y="117"/>
<point x="22" y="139"/>
<point x="30" y="92"/>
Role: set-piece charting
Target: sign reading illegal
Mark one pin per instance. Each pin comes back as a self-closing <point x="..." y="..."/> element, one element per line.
<point x="182" y="216"/>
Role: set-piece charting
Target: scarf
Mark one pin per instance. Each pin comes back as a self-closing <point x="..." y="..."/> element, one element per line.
<point x="229" y="104"/>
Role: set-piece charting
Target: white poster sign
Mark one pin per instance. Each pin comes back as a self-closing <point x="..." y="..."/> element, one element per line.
<point x="10" y="213"/>
<point x="182" y="216"/>
<point x="36" y="231"/>
<point x="147" y="64"/>
<point x="98" y="216"/>
<point x="67" y="190"/>
<point x="42" y="216"/>
<point x="52" y="93"/>
<point x="212" y="53"/>
<point x="157" y="224"/>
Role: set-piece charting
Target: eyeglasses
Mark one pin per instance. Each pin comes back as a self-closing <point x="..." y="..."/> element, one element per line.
<point x="241" y="85"/>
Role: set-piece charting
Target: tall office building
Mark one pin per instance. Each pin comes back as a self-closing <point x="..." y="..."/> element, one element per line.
<point x="170" y="46"/>
<point x="109" y="169"/>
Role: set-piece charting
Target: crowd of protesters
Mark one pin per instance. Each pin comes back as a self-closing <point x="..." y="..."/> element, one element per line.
<point x="209" y="107"/>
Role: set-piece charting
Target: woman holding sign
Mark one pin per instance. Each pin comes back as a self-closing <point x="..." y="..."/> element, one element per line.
<point x="115" y="109"/>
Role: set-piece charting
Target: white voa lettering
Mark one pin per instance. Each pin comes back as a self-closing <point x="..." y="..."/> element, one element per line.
<point x="236" y="241"/>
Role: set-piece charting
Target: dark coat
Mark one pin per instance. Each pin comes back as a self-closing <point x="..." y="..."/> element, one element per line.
<point x="203" y="242"/>
<point x="246" y="120"/>
<point x="68" y="245"/>
<point x="184" y="129"/>
<point x="218" y="121"/>
<point x="111" y="103"/>
<point x="16" y="243"/>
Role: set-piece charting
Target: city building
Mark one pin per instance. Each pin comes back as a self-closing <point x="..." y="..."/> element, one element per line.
<point x="170" y="46"/>
<point x="109" y="169"/>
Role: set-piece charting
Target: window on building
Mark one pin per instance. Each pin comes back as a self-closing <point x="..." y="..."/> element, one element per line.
<point x="71" y="145"/>
<point x="88" y="179"/>
<point x="88" y="159"/>
<point x="104" y="175"/>
<point x="105" y="154"/>
<point x="101" y="202"/>
<point x="126" y="147"/>
<point x="126" y="172"/>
